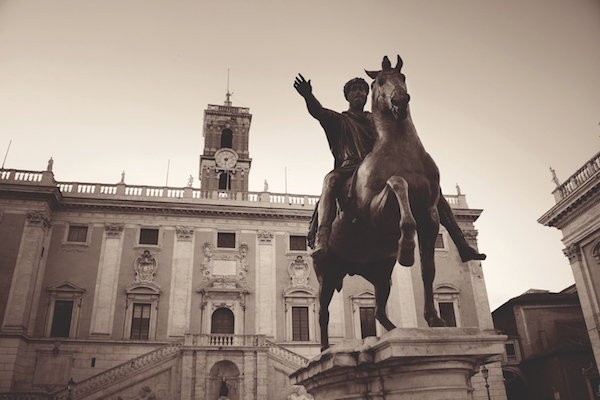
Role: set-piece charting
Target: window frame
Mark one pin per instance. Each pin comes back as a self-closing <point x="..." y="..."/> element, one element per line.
<point x="363" y="299"/>
<point x="88" y="238"/>
<point x="138" y="236"/>
<point x="65" y="291"/>
<point x="235" y="240"/>
<point x="133" y="318"/>
<point x="447" y="293"/>
<point x="300" y="297"/>
<point x="141" y="295"/>
<point x="304" y="250"/>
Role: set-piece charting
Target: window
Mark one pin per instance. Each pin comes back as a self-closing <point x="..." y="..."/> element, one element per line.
<point x="64" y="306"/>
<point x="227" y="138"/>
<point x="61" y="321"/>
<point x="447" y="302"/>
<point x="222" y="321"/>
<point x="225" y="181"/>
<point x="367" y="322"/>
<point x="300" y="324"/>
<point x="149" y="236"/>
<point x="77" y="234"/>
<point x="300" y="311"/>
<point x="297" y="243"/>
<point x="511" y="354"/>
<point x="226" y="240"/>
<point x="140" y="324"/>
<point x="447" y="313"/>
<point x="439" y="241"/>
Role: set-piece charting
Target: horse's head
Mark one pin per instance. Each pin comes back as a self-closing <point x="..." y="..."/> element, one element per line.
<point x="389" y="89"/>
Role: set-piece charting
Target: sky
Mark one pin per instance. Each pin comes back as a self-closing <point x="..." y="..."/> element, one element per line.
<point x="501" y="90"/>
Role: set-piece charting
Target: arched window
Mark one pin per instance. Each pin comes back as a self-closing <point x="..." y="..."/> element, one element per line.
<point x="222" y="321"/>
<point x="225" y="181"/>
<point x="227" y="138"/>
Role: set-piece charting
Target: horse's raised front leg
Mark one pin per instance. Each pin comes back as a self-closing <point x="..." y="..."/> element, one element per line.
<point x="408" y="225"/>
<point x="428" y="229"/>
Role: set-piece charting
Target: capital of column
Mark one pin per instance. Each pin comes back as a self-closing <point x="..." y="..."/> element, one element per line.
<point x="40" y="219"/>
<point x="113" y="229"/>
<point x="573" y="253"/>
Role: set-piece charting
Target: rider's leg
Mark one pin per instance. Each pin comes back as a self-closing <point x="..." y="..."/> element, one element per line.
<point x="448" y="220"/>
<point x="326" y="213"/>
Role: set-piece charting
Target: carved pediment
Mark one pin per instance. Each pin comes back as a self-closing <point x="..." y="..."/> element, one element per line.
<point x="367" y="295"/>
<point x="65" y="286"/>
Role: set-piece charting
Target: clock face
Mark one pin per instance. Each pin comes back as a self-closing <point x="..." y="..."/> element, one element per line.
<point x="226" y="158"/>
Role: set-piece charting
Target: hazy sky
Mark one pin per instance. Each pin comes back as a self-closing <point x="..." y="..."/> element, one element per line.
<point x="501" y="90"/>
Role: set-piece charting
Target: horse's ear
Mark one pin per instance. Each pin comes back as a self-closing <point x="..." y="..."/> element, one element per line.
<point x="372" y="74"/>
<point x="399" y="64"/>
<point x="386" y="64"/>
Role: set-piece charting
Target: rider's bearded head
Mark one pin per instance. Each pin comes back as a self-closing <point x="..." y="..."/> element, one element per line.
<point x="351" y="82"/>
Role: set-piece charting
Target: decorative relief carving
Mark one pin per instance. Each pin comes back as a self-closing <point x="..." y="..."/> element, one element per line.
<point x="145" y="267"/>
<point x="38" y="218"/>
<point x="573" y="253"/>
<point x="113" y="229"/>
<point x="184" y="233"/>
<point x="224" y="275"/>
<point x="299" y="271"/>
<point x="471" y="236"/>
<point x="265" y="236"/>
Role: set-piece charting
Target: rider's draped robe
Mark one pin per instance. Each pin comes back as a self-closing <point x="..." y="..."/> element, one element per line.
<point x="351" y="137"/>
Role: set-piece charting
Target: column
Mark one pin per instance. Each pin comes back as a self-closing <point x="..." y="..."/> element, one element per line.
<point x="29" y="269"/>
<point x="266" y="279"/>
<point x="105" y="296"/>
<point x="180" y="296"/>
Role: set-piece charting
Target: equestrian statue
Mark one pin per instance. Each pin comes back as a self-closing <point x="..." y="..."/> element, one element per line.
<point x="383" y="189"/>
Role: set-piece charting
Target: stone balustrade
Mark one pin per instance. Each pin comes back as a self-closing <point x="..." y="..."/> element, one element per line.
<point x="122" y="191"/>
<point x="224" y="340"/>
<point x="288" y="355"/>
<point x="585" y="173"/>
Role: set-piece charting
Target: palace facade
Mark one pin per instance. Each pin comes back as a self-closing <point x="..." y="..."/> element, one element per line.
<point x="120" y="291"/>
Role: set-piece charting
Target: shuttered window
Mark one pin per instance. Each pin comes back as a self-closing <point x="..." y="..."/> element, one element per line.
<point x="140" y="324"/>
<point x="367" y="321"/>
<point x="77" y="234"/>
<point x="300" y="324"/>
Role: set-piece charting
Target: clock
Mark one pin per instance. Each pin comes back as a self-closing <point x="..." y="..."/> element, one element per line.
<point x="226" y="158"/>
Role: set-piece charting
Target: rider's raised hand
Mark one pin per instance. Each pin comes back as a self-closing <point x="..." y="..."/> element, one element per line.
<point x="302" y="86"/>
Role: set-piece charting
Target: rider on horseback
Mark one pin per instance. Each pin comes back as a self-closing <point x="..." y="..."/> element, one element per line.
<point x="351" y="136"/>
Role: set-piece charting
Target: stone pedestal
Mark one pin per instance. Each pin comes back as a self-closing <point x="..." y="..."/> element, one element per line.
<point x="405" y="363"/>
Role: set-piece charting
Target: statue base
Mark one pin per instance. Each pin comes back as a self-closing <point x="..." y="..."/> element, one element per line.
<point x="405" y="363"/>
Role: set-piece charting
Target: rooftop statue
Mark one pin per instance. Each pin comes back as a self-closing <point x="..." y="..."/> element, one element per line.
<point x="383" y="189"/>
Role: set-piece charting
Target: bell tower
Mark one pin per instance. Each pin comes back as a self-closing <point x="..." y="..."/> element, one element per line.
<point x="225" y="162"/>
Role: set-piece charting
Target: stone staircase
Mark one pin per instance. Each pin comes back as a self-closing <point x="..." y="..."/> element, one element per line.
<point x="115" y="374"/>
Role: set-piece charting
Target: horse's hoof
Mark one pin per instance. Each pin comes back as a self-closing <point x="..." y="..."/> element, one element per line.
<point x="406" y="257"/>
<point x="470" y="253"/>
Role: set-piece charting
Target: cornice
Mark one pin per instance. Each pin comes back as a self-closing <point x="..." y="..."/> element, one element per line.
<point x="565" y="212"/>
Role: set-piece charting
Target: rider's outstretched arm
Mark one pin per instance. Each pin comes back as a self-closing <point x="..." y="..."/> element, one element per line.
<point x="305" y="89"/>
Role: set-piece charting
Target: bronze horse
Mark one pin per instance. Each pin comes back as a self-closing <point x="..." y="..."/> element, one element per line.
<point x="393" y="194"/>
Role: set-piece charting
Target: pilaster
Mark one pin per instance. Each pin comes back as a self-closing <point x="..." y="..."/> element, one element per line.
<point x="105" y="296"/>
<point x="266" y="284"/>
<point x="180" y="296"/>
<point x="28" y="273"/>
